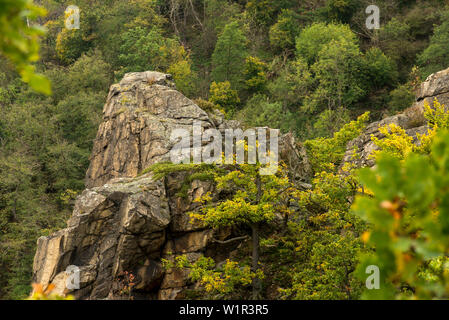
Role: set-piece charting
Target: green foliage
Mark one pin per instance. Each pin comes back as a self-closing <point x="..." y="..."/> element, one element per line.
<point x="399" y="144"/>
<point x="331" y="74"/>
<point x="19" y="42"/>
<point x="263" y="12"/>
<point x="293" y="85"/>
<point x="396" y="141"/>
<point x="143" y="49"/>
<point x="255" y="74"/>
<point x="436" y="57"/>
<point x="206" y="105"/>
<point x="338" y="70"/>
<point x="408" y="214"/>
<point x="228" y="59"/>
<point x="381" y="70"/>
<point x="437" y="116"/>
<point x="394" y="38"/>
<point x="284" y="32"/>
<point x="313" y="39"/>
<point x="222" y="95"/>
<point x="44" y="152"/>
<point x="401" y="98"/>
<point x="326" y="153"/>
<point x="256" y="198"/>
<point x="217" y="281"/>
<point x="329" y="121"/>
<point x="71" y="44"/>
<point x="323" y="242"/>
<point x="407" y="211"/>
<point x="162" y="169"/>
<point x="183" y="75"/>
<point x="341" y="10"/>
<point x="201" y="172"/>
<point x="260" y="112"/>
<point x="89" y="73"/>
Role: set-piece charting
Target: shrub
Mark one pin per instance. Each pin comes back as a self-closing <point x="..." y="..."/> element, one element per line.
<point x="223" y="96"/>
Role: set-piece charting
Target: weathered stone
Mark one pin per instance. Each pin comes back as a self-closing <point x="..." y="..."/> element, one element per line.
<point x="110" y="228"/>
<point x="190" y="242"/>
<point x="295" y="156"/>
<point x="86" y="274"/>
<point x="150" y="276"/>
<point x="436" y="85"/>
<point x="139" y="116"/>
<point x="412" y="120"/>
<point x="180" y="205"/>
<point x="170" y="294"/>
<point x="126" y="221"/>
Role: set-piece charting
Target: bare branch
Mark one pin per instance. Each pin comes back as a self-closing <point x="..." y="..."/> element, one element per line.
<point x="230" y="240"/>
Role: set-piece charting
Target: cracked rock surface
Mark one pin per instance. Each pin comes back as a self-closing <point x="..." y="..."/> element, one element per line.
<point x="412" y="120"/>
<point x="126" y="221"/>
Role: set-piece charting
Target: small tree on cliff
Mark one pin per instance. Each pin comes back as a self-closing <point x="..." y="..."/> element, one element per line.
<point x="255" y="199"/>
<point x="252" y="199"/>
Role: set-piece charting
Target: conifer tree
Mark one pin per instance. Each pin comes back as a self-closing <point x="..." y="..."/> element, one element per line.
<point x="228" y="59"/>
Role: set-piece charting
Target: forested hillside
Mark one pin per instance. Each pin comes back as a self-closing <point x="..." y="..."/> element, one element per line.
<point x="307" y="67"/>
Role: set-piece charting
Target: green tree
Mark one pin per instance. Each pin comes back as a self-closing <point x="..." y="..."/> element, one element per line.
<point x="259" y="111"/>
<point x="293" y="85"/>
<point x="223" y="96"/>
<point x="436" y="56"/>
<point x="143" y="50"/>
<point x="228" y="279"/>
<point x="284" y="32"/>
<point x="329" y="121"/>
<point x="401" y="98"/>
<point x="262" y="12"/>
<point x="256" y="199"/>
<point x="337" y="73"/>
<point x="314" y="38"/>
<point x="44" y="153"/>
<point x="341" y="10"/>
<point x="381" y="70"/>
<point x="228" y="59"/>
<point x="255" y="74"/>
<point x="396" y="42"/>
<point x="322" y="244"/>
<point x="327" y="153"/>
<point x="140" y="50"/>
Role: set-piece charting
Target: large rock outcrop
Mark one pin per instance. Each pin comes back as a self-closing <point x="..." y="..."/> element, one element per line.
<point x="125" y="221"/>
<point x="412" y="119"/>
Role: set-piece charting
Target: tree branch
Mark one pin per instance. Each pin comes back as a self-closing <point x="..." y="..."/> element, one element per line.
<point x="230" y="240"/>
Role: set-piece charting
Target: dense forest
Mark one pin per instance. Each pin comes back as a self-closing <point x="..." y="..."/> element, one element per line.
<point x="307" y="67"/>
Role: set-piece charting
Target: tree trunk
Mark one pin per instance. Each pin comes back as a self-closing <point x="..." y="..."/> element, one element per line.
<point x="255" y="261"/>
<point x="256" y="244"/>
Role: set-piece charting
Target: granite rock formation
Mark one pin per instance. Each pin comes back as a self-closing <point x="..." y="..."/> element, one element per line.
<point x="125" y="221"/>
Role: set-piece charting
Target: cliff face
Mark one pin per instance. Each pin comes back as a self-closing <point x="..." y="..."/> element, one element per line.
<point x="412" y="120"/>
<point x="126" y="221"/>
